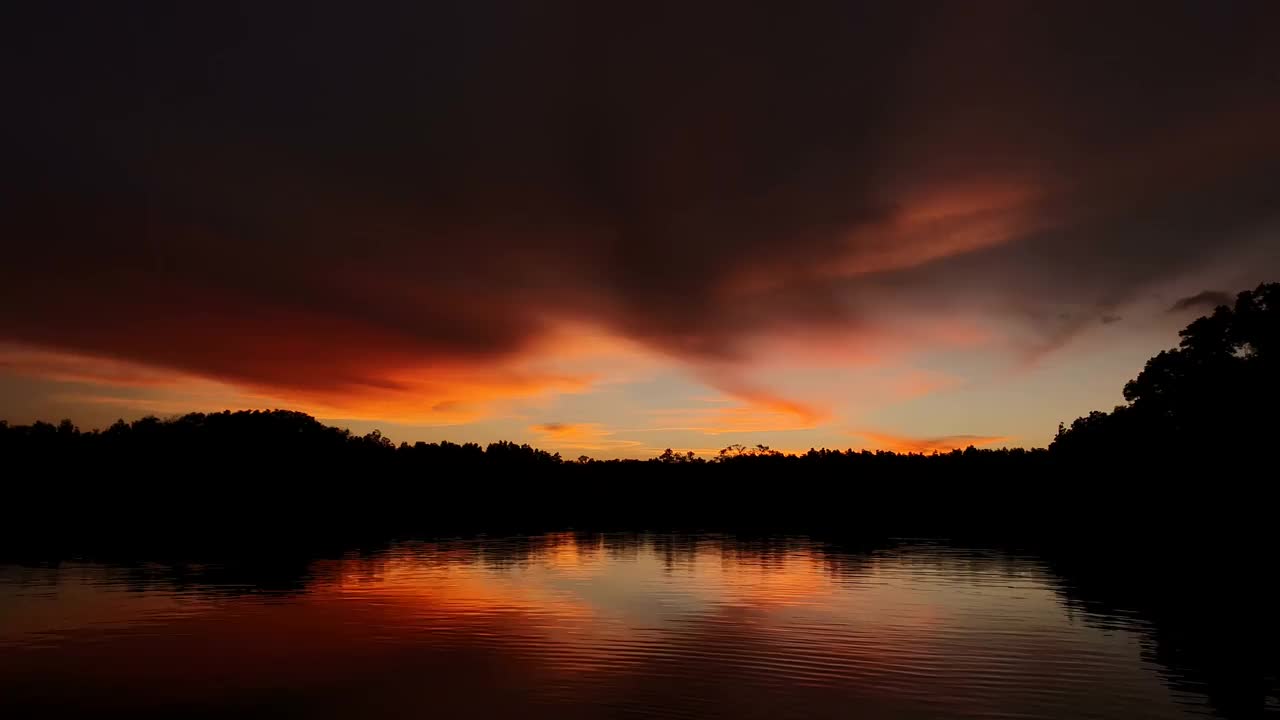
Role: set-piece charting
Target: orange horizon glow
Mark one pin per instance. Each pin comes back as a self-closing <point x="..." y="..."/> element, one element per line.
<point x="449" y="399"/>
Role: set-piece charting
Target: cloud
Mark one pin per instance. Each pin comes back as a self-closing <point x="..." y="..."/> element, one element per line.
<point x="1206" y="300"/>
<point x="425" y="396"/>
<point x="942" y="444"/>
<point x="745" y="413"/>
<point x="440" y="396"/>
<point x="405" y="227"/>
<point x="178" y="404"/>
<point x="62" y="367"/>
<point x="582" y="436"/>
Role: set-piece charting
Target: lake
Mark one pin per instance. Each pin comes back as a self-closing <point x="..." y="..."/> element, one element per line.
<point x="617" y="626"/>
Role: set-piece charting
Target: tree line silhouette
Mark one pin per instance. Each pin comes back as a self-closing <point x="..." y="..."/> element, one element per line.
<point x="1214" y="399"/>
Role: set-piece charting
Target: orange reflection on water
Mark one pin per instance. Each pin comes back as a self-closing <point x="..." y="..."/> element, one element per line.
<point x="569" y="625"/>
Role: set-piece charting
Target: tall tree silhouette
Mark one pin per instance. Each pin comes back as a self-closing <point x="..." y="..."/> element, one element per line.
<point x="1216" y="393"/>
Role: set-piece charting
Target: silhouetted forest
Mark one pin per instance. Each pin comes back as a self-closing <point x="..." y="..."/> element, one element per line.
<point x="1187" y="451"/>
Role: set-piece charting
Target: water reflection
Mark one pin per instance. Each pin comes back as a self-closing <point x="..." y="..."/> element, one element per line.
<point x="584" y="625"/>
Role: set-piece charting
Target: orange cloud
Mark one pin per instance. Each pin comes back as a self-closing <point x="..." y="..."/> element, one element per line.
<point x="69" y="367"/>
<point x="757" y="412"/>
<point x="928" y="225"/>
<point x="945" y="443"/>
<point x="179" y="401"/>
<point x="441" y="395"/>
<point x="581" y="436"/>
<point x="940" y="224"/>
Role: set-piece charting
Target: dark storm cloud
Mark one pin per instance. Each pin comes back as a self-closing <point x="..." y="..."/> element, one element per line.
<point x="1205" y="300"/>
<point x="303" y="195"/>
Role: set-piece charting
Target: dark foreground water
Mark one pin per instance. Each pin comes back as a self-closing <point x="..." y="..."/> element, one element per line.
<point x="590" y="626"/>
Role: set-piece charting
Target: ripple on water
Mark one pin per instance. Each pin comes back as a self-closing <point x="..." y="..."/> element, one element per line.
<point x="580" y="625"/>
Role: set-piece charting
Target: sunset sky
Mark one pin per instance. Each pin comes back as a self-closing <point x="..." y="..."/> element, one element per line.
<point x="609" y="229"/>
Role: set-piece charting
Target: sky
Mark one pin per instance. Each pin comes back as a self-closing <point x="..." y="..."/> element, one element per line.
<point x="609" y="229"/>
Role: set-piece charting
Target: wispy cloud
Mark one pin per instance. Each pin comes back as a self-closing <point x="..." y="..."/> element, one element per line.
<point x="443" y="395"/>
<point x="1206" y="299"/>
<point x="75" y="368"/>
<point x="745" y="412"/>
<point x="907" y="444"/>
<point x="582" y="436"/>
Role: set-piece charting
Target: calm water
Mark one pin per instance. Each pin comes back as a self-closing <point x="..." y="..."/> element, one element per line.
<point x="583" y="626"/>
